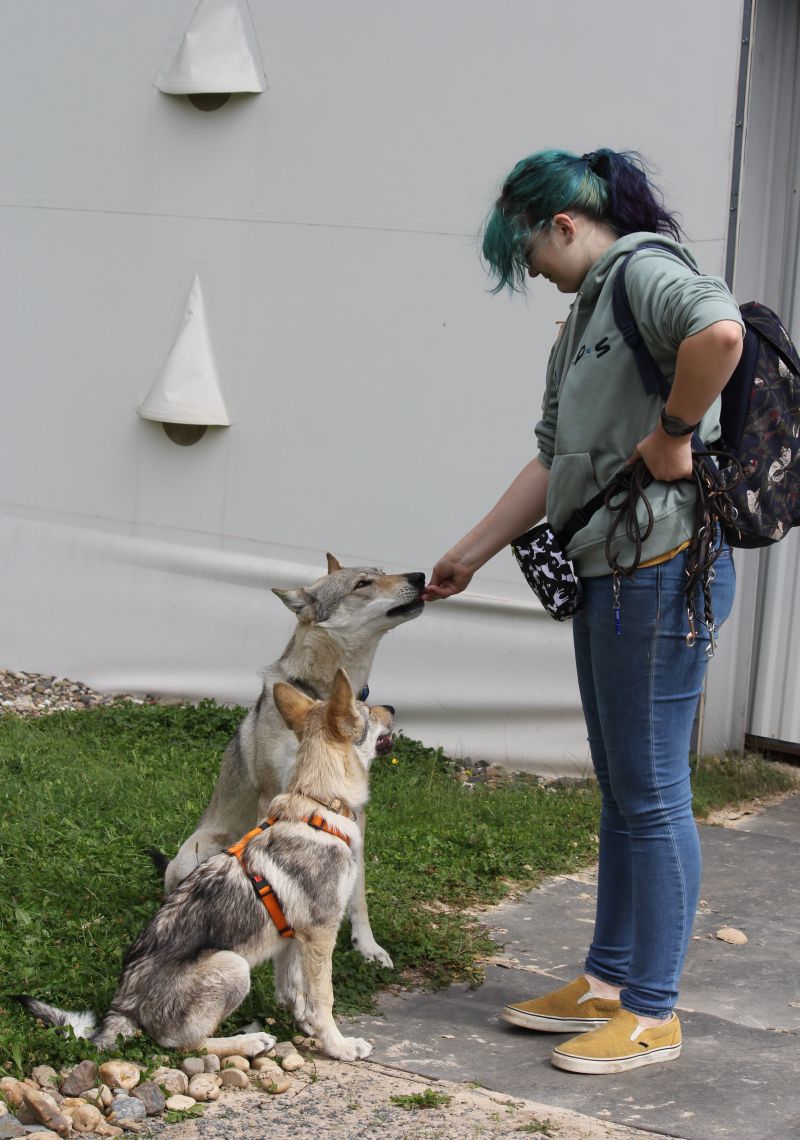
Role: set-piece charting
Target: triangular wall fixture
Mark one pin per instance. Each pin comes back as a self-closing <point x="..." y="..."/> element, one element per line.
<point x="217" y="54"/>
<point x="187" y="390"/>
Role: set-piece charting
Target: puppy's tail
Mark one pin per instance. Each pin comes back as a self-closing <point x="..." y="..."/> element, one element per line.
<point x="160" y="861"/>
<point x="83" y="1024"/>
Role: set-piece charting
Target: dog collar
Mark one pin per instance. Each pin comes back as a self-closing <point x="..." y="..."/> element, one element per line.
<point x="310" y="691"/>
<point x="334" y="804"/>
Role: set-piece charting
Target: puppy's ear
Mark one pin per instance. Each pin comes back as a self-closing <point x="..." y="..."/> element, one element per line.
<point x="333" y="563"/>
<point x="341" y="714"/>
<point x="298" y="601"/>
<point x="292" y="705"/>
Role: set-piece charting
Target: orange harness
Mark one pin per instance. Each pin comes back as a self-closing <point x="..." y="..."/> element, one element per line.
<point x="260" y="884"/>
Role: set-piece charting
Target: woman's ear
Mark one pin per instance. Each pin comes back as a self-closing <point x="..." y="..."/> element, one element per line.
<point x="565" y="224"/>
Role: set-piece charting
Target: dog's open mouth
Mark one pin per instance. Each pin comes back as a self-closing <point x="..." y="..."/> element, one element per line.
<point x="409" y="608"/>
<point x="384" y="744"/>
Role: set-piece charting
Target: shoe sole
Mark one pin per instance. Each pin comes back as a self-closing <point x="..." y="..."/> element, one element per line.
<point x="597" y="1066"/>
<point x="547" y="1024"/>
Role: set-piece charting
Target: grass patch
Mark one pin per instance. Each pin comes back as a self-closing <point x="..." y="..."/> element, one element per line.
<point x="719" y="781"/>
<point x="427" y="1099"/>
<point x="83" y="795"/>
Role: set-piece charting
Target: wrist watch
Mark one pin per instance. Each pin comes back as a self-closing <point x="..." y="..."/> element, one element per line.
<point x="674" y="425"/>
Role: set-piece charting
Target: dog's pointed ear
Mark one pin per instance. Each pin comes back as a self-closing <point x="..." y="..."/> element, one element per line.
<point x="333" y="563"/>
<point x="299" y="601"/>
<point x="341" y="714"/>
<point x="292" y="705"/>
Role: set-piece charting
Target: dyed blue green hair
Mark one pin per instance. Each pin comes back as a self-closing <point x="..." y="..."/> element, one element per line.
<point x="610" y="186"/>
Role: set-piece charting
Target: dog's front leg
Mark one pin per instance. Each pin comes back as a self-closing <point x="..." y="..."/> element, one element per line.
<point x="290" y="987"/>
<point x="363" y="938"/>
<point x="317" y="953"/>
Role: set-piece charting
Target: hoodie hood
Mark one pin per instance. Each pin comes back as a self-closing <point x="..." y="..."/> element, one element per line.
<point x="598" y="274"/>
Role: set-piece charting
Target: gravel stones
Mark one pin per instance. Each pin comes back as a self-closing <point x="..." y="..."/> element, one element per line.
<point x="292" y="1062"/>
<point x="10" y="1128"/>
<point x="37" y="694"/>
<point x="175" y="1082"/>
<point x="126" y="1108"/>
<point x="12" y="1090"/>
<point x="151" y="1097"/>
<point x="120" y="1074"/>
<point x="179" y="1103"/>
<point x="82" y="1078"/>
<point x="87" y="1106"/>
<point x="234" y="1079"/>
<point x="192" y="1066"/>
<point x="39" y="1108"/>
<point x="86" y="1118"/>
<point x="47" y="1078"/>
<point x="236" y="1062"/>
<point x="204" y="1087"/>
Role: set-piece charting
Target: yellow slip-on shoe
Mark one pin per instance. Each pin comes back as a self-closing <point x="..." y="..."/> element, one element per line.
<point x="570" y="1009"/>
<point x="621" y="1044"/>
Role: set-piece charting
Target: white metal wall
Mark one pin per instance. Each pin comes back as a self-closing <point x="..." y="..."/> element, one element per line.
<point x="381" y="398"/>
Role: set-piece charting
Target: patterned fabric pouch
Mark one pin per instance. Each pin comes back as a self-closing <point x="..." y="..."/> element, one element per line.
<point x="548" y="571"/>
<point x="540" y="551"/>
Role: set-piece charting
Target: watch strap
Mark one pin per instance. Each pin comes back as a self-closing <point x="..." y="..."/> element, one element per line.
<point x="674" y="425"/>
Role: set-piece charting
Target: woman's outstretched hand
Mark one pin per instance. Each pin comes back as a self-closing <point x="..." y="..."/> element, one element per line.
<point x="449" y="576"/>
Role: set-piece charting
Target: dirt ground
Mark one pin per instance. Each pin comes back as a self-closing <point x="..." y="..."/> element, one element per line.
<point x="353" y="1102"/>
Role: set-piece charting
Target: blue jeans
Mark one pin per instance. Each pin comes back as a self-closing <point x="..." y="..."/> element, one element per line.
<point x="639" y="691"/>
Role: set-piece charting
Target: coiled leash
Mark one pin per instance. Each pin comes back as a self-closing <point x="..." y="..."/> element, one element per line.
<point x="260" y="885"/>
<point x="713" y="512"/>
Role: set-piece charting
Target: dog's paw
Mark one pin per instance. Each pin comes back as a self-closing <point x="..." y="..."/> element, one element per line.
<point x="254" y="1044"/>
<point x="350" y="1049"/>
<point x="369" y="949"/>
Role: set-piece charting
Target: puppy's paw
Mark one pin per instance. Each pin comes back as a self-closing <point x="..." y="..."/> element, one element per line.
<point x="254" y="1044"/>
<point x="369" y="949"/>
<point x="350" y="1049"/>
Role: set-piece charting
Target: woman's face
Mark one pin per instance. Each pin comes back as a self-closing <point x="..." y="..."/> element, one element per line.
<point x="555" y="254"/>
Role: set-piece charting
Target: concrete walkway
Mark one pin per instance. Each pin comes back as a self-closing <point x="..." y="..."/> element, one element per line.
<point x="739" y="1073"/>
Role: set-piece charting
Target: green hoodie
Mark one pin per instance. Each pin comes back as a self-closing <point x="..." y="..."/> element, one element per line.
<point x="595" y="409"/>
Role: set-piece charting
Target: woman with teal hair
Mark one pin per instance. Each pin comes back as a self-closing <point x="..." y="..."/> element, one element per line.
<point x="572" y="220"/>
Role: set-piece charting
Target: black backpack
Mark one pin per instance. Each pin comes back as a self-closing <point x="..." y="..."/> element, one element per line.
<point x="759" y="453"/>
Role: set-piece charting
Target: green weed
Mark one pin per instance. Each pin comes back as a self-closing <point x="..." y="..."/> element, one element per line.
<point x="427" y="1099"/>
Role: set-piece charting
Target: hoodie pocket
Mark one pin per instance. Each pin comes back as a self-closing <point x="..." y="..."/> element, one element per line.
<point x="572" y="483"/>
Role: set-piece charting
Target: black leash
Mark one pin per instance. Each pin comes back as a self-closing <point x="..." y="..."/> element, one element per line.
<point x="713" y="513"/>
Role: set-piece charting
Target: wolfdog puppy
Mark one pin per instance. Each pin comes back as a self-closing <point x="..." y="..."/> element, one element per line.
<point x="279" y="893"/>
<point x="341" y="618"/>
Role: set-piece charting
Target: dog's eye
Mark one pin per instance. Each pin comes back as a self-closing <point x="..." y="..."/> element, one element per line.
<point x="360" y="585"/>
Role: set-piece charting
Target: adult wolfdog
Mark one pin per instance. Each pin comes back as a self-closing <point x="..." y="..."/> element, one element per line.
<point x="341" y="618"/>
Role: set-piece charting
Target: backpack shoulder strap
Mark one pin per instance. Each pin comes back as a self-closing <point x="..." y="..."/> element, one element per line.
<point x="652" y="376"/>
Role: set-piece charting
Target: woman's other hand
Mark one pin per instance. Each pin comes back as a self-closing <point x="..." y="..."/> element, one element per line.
<point x="666" y="457"/>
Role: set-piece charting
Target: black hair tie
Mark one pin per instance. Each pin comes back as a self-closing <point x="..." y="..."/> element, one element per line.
<point x="592" y="160"/>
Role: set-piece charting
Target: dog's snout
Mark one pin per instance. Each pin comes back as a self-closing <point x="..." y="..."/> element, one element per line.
<point x="389" y="709"/>
<point x="416" y="579"/>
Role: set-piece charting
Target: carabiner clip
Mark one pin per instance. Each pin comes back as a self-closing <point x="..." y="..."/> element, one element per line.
<point x="711" y="648"/>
